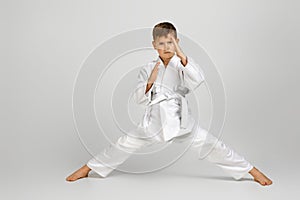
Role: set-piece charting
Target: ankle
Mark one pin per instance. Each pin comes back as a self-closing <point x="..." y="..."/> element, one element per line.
<point x="86" y="168"/>
<point x="253" y="171"/>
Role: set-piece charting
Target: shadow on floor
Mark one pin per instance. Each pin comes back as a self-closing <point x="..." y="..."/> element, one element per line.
<point x="223" y="178"/>
<point x="210" y="177"/>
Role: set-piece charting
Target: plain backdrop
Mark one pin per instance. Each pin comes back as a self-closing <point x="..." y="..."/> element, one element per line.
<point x="254" y="44"/>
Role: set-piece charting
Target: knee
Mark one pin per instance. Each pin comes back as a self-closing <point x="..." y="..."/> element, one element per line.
<point x="200" y="134"/>
<point x="126" y="142"/>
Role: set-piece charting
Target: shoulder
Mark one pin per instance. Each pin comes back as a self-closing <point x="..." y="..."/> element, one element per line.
<point x="151" y="64"/>
<point x="148" y="67"/>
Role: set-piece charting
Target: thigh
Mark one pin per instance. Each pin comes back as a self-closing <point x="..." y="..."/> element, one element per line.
<point x="197" y="135"/>
<point x="130" y="144"/>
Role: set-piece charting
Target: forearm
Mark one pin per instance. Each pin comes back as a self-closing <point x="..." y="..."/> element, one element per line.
<point x="148" y="87"/>
<point x="183" y="59"/>
<point x="192" y="73"/>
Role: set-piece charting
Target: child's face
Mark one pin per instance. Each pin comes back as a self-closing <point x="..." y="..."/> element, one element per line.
<point x="164" y="46"/>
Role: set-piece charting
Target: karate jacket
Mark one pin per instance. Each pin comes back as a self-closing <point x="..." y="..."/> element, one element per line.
<point x="167" y="109"/>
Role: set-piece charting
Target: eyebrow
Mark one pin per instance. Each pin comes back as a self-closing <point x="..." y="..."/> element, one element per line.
<point x="166" y="41"/>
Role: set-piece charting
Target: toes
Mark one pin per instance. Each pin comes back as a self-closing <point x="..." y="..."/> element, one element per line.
<point x="263" y="183"/>
<point x="76" y="177"/>
<point x="69" y="179"/>
<point x="270" y="182"/>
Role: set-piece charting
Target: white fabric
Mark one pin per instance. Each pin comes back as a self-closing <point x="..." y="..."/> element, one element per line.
<point x="221" y="155"/>
<point x="167" y="118"/>
<point x="168" y="92"/>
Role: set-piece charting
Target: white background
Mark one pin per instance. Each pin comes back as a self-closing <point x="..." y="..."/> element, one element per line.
<point x="254" y="44"/>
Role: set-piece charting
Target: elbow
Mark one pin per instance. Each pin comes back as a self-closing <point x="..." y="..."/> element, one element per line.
<point x="139" y="97"/>
<point x="194" y="83"/>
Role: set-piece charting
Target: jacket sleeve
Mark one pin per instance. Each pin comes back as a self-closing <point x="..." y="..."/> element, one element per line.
<point x="193" y="75"/>
<point x="139" y="95"/>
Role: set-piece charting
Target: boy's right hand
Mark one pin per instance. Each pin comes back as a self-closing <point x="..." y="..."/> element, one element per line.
<point x="152" y="77"/>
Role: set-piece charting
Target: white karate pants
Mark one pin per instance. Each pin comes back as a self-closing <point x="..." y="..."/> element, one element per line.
<point x="221" y="155"/>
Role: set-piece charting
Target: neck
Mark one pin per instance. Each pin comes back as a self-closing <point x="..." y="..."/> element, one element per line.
<point x="165" y="61"/>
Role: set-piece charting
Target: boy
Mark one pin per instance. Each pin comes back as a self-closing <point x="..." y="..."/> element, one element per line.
<point x="162" y="86"/>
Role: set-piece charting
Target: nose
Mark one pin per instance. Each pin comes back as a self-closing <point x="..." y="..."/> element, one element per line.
<point x="167" y="46"/>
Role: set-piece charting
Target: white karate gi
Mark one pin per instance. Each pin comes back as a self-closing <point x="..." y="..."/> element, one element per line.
<point x="168" y="119"/>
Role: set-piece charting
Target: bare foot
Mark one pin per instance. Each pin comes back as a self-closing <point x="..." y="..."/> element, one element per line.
<point x="260" y="177"/>
<point x="80" y="173"/>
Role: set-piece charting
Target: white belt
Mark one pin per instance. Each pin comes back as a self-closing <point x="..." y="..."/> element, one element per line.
<point x="178" y="94"/>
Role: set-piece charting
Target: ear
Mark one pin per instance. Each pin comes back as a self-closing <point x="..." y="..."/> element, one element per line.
<point x="177" y="40"/>
<point x="153" y="44"/>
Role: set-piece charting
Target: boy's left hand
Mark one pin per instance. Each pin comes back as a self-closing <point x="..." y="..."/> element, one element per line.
<point x="179" y="52"/>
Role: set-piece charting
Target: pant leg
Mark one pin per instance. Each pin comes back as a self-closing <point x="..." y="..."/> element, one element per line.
<point x="114" y="155"/>
<point x="215" y="151"/>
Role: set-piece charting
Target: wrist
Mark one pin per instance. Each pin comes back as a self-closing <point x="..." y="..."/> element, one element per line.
<point x="183" y="59"/>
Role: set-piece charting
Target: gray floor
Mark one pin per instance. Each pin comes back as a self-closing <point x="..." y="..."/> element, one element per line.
<point x="200" y="179"/>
